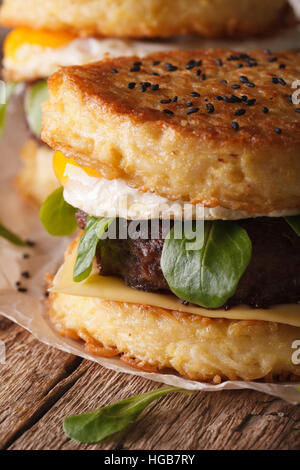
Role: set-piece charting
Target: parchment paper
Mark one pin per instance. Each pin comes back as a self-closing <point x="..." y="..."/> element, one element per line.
<point x="28" y="310"/>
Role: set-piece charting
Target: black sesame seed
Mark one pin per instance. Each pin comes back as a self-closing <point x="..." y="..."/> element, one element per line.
<point x="198" y="73"/>
<point x="167" y="101"/>
<point x="277" y="130"/>
<point x="191" y="64"/>
<point x="244" y="79"/>
<point x="282" y="82"/>
<point x="251" y="63"/>
<point x="22" y="289"/>
<point x="219" y="98"/>
<point x="235" y="125"/>
<point x="199" y="63"/>
<point x="113" y="70"/>
<point x="156" y="62"/>
<point x="175" y="99"/>
<point x="224" y="81"/>
<point x="203" y="77"/>
<point x="192" y="111"/>
<point x="156" y="74"/>
<point x="240" y="66"/>
<point x="233" y="57"/>
<point x="26" y="255"/>
<point x="30" y="243"/>
<point x="131" y="85"/>
<point x="297" y="110"/>
<point x="155" y="87"/>
<point x="272" y="59"/>
<point x="282" y="66"/>
<point x="291" y="98"/>
<point x="250" y="84"/>
<point x="265" y="110"/>
<point x="145" y="86"/>
<point x="219" y="62"/>
<point x="189" y="104"/>
<point x="275" y="80"/>
<point x="232" y="99"/>
<point x="18" y="283"/>
<point x="210" y="108"/>
<point x="194" y="94"/>
<point x="137" y="64"/>
<point x="244" y="56"/>
<point x="135" y="68"/>
<point x="244" y="98"/>
<point x="26" y="274"/>
<point x="170" y="67"/>
<point x="46" y="294"/>
<point x="250" y="102"/>
<point x="239" y="112"/>
<point x="168" y="111"/>
<point x="235" y="86"/>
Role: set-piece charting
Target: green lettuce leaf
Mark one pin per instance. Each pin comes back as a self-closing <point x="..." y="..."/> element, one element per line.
<point x="99" y="424"/>
<point x="10" y="87"/>
<point x="294" y="223"/>
<point x="208" y="276"/>
<point x="35" y="96"/>
<point x="93" y="232"/>
<point x="57" y="216"/>
<point x="10" y="236"/>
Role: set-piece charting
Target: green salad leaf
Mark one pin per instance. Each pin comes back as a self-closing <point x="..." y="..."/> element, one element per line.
<point x="208" y="276"/>
<point x="294" y="223"/>
<point x="99" y="424"/>
<point x="93" y="232"/>
<point x="10" y="236"/>
<point x="57" y="216"/>
<point x="35" y="96"/>
<point x="9" y="88"/>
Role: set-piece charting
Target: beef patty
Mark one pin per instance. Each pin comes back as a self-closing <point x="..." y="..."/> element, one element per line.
<point x="272" y="277"/>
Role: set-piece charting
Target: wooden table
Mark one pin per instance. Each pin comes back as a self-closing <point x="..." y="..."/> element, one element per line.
<point x="41" y="385"/>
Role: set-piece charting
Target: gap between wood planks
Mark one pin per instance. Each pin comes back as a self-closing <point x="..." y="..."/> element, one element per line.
<point x="65" y="380"/>
<point x="63" y="385"/>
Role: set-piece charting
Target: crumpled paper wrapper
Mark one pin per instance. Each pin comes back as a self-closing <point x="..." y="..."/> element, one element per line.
<point x="28" y="309"/>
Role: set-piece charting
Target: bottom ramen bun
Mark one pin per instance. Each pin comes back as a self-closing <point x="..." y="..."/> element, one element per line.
<point x="155" y="339"/>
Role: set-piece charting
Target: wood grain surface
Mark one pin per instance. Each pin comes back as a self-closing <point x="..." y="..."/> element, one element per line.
<point x="40" y="386"/>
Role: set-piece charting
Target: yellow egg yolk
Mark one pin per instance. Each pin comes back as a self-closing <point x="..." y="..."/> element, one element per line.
<point x="20" y="36"/>
<point x="59" y="165"/>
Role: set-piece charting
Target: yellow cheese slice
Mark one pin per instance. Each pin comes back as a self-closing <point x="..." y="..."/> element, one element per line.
<point x="113" y="288"/>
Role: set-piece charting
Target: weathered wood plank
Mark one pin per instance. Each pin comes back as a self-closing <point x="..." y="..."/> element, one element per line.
<point x="225" y="420"/>
<point x="29" y="374"/>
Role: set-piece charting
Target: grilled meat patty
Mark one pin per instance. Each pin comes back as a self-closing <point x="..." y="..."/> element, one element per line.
<point x="272" y="277"/>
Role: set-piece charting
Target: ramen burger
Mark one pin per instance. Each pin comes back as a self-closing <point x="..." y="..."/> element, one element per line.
<point x="176" y="132"/>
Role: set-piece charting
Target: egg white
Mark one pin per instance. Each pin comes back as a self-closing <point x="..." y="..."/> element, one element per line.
<point x="33" y="61"/>
<point x="100" y="197"/>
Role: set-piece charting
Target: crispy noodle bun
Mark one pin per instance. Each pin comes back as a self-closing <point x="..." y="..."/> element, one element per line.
<point x="146" y="18"/>
<point x="36" y="179"/>
<point x="196" y="347"/>
<point x="94" y="117"/>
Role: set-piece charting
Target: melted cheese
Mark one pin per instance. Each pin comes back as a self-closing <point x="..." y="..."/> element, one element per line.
<point x="112" y="288"/>
<point x="20" y="36"/>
